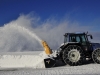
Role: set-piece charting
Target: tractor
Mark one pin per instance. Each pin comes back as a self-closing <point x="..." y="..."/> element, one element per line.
<point x="76" y="48"/>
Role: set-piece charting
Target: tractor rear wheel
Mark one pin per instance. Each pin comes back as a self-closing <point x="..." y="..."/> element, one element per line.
<point x="73" y="55"/>
<point x="96" y="56"/>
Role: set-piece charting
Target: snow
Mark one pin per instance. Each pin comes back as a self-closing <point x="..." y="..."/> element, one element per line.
<point x="34" y="66"/>
<point x="22" y="60"/>
<point x="62" y="70"/>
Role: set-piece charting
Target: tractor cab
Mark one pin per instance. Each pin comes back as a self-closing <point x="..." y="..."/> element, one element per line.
<point x="76" y="37"/>
<point x="81" y="38"/>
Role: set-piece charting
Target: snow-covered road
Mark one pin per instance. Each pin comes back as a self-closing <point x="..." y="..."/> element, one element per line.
<point x="62" y="70"/>
<point x="91" y="68"/>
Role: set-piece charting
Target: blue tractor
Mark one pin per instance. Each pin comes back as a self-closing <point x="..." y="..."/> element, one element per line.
<point x="76" y="48"/>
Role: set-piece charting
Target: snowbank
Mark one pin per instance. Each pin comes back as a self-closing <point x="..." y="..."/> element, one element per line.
<point x="20" y="60"/>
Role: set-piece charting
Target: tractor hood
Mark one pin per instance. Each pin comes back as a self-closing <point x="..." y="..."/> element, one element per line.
<point x="95" y="45"/>
<point x="67" y="43"/>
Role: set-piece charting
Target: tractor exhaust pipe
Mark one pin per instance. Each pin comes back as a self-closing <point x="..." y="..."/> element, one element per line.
<point x="47" y="49"/>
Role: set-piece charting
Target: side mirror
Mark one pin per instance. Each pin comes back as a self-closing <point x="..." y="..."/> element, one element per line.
<point x="91" y="37"/>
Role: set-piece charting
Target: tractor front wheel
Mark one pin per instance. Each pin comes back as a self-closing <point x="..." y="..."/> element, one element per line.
<point x="73" y="55"/>
<point x="96" y="56"/>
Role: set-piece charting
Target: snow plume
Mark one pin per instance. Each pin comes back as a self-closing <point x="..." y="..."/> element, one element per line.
<point x="21" y="34"/>
<point x="17" y="36"/>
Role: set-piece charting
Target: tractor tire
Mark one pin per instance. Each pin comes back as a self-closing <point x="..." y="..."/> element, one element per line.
<point x="96" y="56"/>
<point x="73" y="55"/>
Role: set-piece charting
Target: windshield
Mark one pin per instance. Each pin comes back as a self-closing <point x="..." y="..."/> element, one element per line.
<point x="78" y="38"/>
<point x="81" y="38"/>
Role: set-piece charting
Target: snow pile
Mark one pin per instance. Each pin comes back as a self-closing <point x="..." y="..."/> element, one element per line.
<point x="22" y="61"/>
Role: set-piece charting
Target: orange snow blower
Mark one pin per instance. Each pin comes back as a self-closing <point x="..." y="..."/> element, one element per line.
<point x="49" y="62"/>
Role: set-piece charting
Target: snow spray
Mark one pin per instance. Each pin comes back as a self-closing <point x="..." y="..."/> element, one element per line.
<point x="25" y="30"/>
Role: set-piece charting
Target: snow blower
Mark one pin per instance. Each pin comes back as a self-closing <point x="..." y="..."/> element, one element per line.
<point x="49" y="62"/>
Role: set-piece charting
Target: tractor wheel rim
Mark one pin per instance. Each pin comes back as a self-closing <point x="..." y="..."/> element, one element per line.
<point x="74" y="55"/>
<point x="98" y="57"/>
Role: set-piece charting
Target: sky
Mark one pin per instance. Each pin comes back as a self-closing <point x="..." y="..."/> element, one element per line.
<point x="21" y="20"/>
<point x="86" y="12"/>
